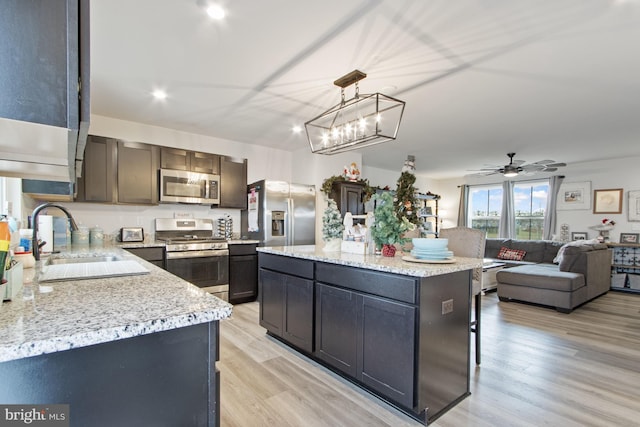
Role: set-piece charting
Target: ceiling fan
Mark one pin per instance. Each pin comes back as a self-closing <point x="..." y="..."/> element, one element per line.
<point x="516" y="167"/>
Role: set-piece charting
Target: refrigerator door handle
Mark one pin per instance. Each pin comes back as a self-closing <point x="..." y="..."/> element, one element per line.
<point x="291" y="237"/>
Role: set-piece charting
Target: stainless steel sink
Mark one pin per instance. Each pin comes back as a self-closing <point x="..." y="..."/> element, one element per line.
<point x="89" y="266"/>
<point x="87" y="259"/>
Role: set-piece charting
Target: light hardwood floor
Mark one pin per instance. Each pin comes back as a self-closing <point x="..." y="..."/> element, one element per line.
<point x="539" y="367"/>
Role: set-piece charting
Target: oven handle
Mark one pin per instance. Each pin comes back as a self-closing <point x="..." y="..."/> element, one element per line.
<point x="198" y="254"/>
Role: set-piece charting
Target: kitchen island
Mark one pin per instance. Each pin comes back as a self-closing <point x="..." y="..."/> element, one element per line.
<point x="131" y="350"/>
<point x="398" y="329"/>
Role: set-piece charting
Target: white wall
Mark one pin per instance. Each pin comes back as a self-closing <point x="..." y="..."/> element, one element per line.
<point x="605" y="174"/>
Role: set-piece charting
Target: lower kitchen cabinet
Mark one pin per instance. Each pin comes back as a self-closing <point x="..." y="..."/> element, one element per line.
<point x="286" y="301"/>
<point x="243" y="273"/>
<point x="368" y="338"/>
<point x="385" y="332"/>
<point x="154" y="255"/>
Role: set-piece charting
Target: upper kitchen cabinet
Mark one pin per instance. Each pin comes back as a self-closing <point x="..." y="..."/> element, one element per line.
<point x="193" y="161"/>
<point x="119" y="172"/>
<point x="137" y="173"/>
<point x="348" y="196"/>
<point x="44" y="87"/>
<point x="233" y="182"/>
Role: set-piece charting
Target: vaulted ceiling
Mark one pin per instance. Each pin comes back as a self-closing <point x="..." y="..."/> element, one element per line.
<point x="547" y="79"/>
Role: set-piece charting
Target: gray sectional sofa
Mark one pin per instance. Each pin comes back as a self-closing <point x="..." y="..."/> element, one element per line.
<point x="582" y="273"/>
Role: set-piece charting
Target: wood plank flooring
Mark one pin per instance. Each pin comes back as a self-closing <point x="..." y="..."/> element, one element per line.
<point x="539" y="367"/>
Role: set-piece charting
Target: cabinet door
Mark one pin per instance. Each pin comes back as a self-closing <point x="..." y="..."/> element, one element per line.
<point x="336" y="328"/>
<point x="243" y="278"/>
<point x="39" y="71"/>
<point x="348" y="197"/>
<point x="97" y="183"/>
<point x="233" y="182"/>
<point x="298" y="314"/>
<point x="271" y="296"/>
<point x="184" y="160"/>
<point x="137" y="173"/>
<point x="174" y="158"/>
<point x="205" y="163"/>
<point x="387" y="348"/>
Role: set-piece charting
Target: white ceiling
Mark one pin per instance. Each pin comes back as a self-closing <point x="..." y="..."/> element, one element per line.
<point x="547" y="79"/>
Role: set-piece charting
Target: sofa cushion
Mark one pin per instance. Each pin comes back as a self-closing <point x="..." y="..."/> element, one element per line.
<point x="511" y="254"/>
<point x="533" y="248"/>
<point x="542" y="276"/>
<point x="578" y="243"/>
<point x="551" y="249"/>
<point x="492" y="246"/>
<point x="572" y="259"/>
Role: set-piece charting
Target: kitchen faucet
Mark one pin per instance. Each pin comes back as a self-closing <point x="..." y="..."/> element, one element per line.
<point x="34" y="222"/>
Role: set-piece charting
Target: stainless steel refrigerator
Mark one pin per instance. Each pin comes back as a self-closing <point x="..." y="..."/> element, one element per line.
<point x="280" y="213"/>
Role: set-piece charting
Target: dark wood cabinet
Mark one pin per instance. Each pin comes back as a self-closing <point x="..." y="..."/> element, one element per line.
<point x="243" y="273"/>
<point x="193" y="161"/>
<point x="44" y="74"/>
<point x="336" y="328"/>
<point x="368" y="338"/>
<point x="45" y="51"/>
<point x="137" y="169"/>
<point x="98" y="180"/>
<point x="349" y="197"/>
<point x="154" y="255"/>
<point x="233" y="182"/>
<point x="118" y="172"/>
<point x="388" y="333"/>
<point x="286" y="300"/>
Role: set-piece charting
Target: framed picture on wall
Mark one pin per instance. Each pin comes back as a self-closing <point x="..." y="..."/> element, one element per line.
<point x="578" y="236"/>
<point x="634" y="205"/>
<point x="574" y="195"/>
<point x="607" y="201"/>
<point x="629" y="237"/>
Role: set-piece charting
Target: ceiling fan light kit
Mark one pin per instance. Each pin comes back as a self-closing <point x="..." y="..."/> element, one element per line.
<point x="362" y="121"/>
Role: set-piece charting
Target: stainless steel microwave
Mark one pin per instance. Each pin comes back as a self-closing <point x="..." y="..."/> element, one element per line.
<point x="189" y="187"/>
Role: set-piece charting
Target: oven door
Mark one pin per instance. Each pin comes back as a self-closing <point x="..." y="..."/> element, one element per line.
<point x="206" y="269"/>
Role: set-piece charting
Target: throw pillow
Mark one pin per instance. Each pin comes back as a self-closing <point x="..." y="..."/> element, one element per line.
<point x="511" y="254"/>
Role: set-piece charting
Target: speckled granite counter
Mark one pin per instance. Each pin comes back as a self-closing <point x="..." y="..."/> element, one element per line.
<point x="71" y="314"/>
<point x="394" y="265"/>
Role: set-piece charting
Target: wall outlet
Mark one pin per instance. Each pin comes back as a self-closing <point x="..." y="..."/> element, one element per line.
<point x="447" y="306"/>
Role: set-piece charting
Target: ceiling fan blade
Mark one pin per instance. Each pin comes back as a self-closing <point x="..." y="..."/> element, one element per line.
<point x="532" y="167"/>
<point x="518" y="162"/>
<point x="479" y="174"/>
<point x="555" y="165"/>
<point x="543" y="162"/>
<point x="549" y="169"/>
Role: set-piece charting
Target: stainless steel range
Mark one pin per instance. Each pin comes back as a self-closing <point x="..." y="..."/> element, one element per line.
<point x="195" y="254"/>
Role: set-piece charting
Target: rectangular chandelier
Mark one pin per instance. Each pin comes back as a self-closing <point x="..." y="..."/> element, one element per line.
<point x="361" y="121"/>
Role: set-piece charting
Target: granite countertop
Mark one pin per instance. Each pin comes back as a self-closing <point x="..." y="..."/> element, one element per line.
<point x="394" y="264"/>
<point x="57" y="316"/>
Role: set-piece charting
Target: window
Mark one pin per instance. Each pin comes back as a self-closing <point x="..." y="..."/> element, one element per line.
<point x="485" y="205"/>
<point x="530" y="200"/>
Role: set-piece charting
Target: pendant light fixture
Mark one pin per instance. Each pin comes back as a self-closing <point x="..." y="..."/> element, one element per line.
<point x="358" y="122"/>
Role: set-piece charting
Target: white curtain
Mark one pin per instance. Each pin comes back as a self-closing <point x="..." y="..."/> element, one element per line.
<point x="551" y="215"/>
<point x="463" y="206"/>
<point x="507" y="228"/>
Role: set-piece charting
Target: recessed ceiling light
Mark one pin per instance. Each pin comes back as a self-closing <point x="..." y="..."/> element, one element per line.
<point x="296" y="129"/>
<point x="159" y="94"/>
<point x="215" y="12"/>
